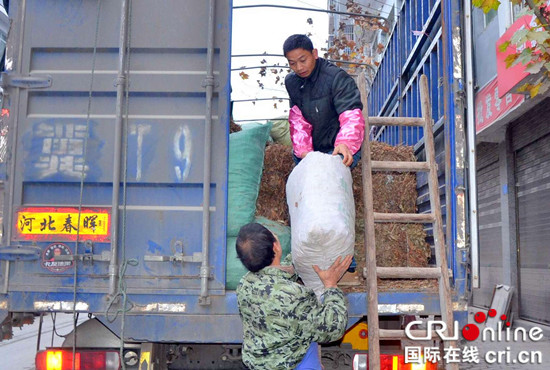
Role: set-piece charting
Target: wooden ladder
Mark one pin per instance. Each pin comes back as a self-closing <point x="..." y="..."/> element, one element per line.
<point x="373" y="272"/>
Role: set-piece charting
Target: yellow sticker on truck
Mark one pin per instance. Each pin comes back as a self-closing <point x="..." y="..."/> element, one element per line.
<point x="62" y="224"/>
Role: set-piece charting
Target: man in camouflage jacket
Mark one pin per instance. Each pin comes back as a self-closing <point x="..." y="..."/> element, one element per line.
<point x="282" y="318"/>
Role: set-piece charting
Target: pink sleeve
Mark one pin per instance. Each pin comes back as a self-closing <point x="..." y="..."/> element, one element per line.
<point x="352" y="130"/>
<point x="300" y="132"/>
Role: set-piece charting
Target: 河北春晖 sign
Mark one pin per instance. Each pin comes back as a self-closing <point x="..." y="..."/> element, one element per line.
<point x="62" y="223"/>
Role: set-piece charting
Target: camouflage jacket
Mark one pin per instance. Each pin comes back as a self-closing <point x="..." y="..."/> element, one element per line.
<point x="281" y="318"/>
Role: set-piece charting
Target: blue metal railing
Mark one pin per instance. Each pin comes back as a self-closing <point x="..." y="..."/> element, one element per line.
<point x="421" y="43"/>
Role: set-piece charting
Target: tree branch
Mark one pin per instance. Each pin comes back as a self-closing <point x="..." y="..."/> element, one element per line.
<point x="543" y="21"/>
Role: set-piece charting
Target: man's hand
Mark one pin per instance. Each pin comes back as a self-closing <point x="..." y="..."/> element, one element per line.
<point x="333" y="274"/>
<point x="344" y="150"/>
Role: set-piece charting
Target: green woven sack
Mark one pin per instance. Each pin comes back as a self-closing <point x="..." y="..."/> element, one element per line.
<point x="235" y="269"/>
<point x="246" y="160"/>
<point x="280" y="133"/>
<point x="277" y="228"/>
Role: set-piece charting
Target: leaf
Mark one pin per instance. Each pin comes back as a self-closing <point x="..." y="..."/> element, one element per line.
<point x="519" y="37"/>
<point x="525" y="57"/>
<point x="510" y="59"/>
<point x="534" y="68"/>
<point x="540" y="36"/>
<point x="525" y="10"/>
<point x="523" y="88"/>
<point x="502" y="47"/>
<point x="533" y="91"/>
<point x="487" y="5"/>
<point x="244" y="76"/>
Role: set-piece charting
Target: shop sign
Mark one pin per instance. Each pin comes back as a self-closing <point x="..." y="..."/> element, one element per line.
<point x="508" y="78"/>
<point x="489" y="106"/>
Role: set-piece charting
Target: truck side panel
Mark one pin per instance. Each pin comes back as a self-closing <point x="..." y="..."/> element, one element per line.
<point x="60" y="135"/>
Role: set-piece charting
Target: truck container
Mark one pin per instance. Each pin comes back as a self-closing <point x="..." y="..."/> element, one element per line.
<point x="115" y="201"/>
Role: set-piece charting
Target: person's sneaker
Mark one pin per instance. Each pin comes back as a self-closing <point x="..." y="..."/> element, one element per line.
<point x="352" y="266"/>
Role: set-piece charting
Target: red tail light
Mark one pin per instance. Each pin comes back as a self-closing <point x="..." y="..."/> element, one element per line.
<point x="62" y="359"/>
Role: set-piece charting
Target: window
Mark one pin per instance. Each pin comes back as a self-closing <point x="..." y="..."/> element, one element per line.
<point x="350" y="36"/>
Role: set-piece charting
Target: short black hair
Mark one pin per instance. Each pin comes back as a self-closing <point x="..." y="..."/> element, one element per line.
<point x="255" y="246"/>
<point x="297" y="42"/>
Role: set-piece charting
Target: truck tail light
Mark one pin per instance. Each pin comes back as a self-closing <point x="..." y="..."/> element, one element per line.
<point x="390" y="362"/>
<point x="62" y="359"/>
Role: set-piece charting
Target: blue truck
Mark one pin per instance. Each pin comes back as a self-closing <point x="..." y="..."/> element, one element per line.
<point x="116" y="182"/>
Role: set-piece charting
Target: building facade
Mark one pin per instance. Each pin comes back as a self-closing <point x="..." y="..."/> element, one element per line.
<point x="513" y="172"/>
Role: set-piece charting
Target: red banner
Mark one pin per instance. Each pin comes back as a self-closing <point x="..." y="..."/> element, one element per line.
<point x="490" y="107"/>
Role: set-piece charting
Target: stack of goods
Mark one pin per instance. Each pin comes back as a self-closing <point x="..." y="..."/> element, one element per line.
<point x="246" y="159"/>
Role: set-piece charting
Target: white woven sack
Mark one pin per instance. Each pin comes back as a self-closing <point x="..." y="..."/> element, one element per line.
<point x="322" y="215"/>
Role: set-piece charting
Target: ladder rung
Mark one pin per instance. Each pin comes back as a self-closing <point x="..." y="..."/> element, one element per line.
<point x="400" y="166"/>
<point x="422" y="218"/>
<point x="408" y="272"/>
<point x="398" y="334"/>
<point x="396" y="121"/>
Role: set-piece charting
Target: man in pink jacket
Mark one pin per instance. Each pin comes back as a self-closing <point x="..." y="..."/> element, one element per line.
<point x="325" y="104"/>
